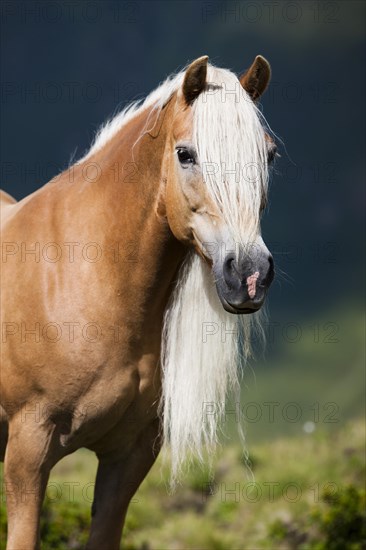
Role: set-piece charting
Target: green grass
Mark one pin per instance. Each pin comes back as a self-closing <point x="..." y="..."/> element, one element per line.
<point x="325" y="379"/>
<point x="303" y="492"/>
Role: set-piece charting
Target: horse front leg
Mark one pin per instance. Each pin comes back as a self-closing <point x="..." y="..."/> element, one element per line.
<point x="26" y="466"/>
<point x="116" y="483"/>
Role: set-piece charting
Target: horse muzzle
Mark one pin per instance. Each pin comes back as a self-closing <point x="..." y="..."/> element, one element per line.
<point x="242" y="284"/>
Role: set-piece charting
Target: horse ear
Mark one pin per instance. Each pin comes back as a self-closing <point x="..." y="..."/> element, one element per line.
<point x="195" y="79"/>
<point x="255" y="80"/>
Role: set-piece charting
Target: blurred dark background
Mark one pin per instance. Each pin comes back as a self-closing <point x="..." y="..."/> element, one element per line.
<point x="67" y="66"/>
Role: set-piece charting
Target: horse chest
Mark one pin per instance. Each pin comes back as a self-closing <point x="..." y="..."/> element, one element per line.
<point x="115" y="408"/>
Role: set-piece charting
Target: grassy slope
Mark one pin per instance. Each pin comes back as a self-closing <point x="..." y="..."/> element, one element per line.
<point x="240" y="514"/>
<point x="325" y="378"/>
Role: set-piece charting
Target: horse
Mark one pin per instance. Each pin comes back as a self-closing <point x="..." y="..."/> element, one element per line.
<point x="128" y="284"/>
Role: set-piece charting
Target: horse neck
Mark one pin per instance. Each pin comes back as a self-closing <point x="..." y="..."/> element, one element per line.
<point x="131" y="167"/>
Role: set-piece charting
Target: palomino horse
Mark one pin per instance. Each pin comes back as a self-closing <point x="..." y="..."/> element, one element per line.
<point x="120" y="278"/>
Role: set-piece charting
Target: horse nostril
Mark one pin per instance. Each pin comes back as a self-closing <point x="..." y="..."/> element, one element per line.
<point x="230" y="273"/>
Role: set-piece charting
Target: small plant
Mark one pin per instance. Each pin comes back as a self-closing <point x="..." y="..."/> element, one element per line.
<point x="65" y="526"/>
<point x="339" y="523"/>
<point x="343" y="522"/>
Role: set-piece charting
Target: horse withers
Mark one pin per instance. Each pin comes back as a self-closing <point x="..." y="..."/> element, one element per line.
<point x="127" y="284"/>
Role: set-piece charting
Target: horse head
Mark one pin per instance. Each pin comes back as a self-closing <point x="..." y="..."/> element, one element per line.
<point x="216" y="176"/>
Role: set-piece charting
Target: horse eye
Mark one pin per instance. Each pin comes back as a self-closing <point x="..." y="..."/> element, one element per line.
<point x="185" y="156"/>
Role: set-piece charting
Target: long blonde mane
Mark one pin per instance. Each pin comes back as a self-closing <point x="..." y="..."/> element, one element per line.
<point x="203" y="347"/>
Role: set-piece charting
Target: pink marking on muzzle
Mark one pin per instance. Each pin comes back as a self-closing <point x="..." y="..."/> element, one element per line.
<point x="252" y="283"/>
